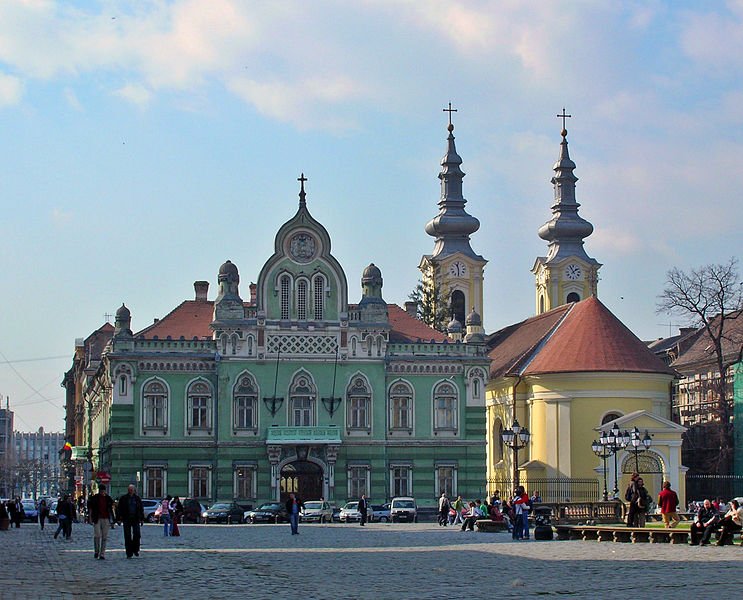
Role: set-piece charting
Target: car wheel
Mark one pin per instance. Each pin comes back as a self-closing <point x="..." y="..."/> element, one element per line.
<point x="383" y="519"/>
<point x="151" y="518"/>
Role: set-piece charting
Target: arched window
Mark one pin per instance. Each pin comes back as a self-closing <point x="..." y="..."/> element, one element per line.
<point x="380" y="341"/>
<point x="318" y="286"/>
<point x="497" y="441"/>
<point x="457" y="308"/>
<point x="234" y="343"/>
<point x="245" y="403"/>
<point x="358" y="397"/>
<point x="445" y="407"/>
<point x="302" y="402"/>
<point x="302" y="300"/>
<point x="573" y="297"/>
<point x="122" y="385"/>
<point x="401" y="406"/>
<point x="353" y="346"/>
<point x="285" y="291"/>
<point x="199" y="405"/>
<point x="610" y="417"/>
<point x="155" y="405"/>
<point x="223" y="339"/>
<point x="250" y="345"/>
<point x="541" y="304"/>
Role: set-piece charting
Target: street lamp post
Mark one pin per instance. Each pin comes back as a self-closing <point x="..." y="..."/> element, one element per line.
<point x="636" y="442"/>
<point x="616" y="440"/>
<point x="603" y="451"/>
<point x="516" y="438"/>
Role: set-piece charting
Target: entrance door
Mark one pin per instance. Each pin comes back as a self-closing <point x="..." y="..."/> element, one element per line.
<point x="303" y="478"/>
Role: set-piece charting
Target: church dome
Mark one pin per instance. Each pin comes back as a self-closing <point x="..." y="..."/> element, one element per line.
<point x="474" y="319"/>
<point x="228" y="272"/>
<point x="123" y="314"/>
<point x="454" y="326"/>
<point x="371" y="273"/>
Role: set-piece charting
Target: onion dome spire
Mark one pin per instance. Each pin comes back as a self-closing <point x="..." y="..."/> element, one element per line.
<point x="566" y="230"/>
<point x="453" y="226"/>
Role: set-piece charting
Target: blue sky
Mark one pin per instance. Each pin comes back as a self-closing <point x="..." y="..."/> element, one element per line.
<point x="144" y="143"/>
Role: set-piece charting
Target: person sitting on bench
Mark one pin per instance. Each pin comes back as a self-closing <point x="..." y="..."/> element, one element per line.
<point x="704" y="524"/>
<point x="731" y="523"/>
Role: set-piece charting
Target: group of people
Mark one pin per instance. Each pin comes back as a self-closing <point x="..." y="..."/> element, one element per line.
<point x="514" y="511"/>
<point x="709" y="519"/>
<point x="170" y="512"/>
<point x="13" y="511"/>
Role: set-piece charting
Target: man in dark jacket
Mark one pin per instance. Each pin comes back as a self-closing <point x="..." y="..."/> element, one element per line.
<point x="130" y="513"/>
<point x="363" y="507"/>
<point x="706" y="521"/>
<point x="101" y="513"/>
<point x="293" y="506"/>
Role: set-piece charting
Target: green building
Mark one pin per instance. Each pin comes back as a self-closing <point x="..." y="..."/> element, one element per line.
<point x="296" y="389"/>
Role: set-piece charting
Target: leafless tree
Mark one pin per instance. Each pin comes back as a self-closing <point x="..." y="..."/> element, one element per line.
<point x="711" y="298"/>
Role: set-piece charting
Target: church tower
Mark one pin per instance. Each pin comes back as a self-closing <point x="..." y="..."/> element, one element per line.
<point x="567" y="273"/>
<point x="453" y="271"/>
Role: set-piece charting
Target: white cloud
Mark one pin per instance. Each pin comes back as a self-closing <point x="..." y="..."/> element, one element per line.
<point x="72" y="99"/>
<point x="11" y="90"/>
<point x="135" y="93"/>
<point x="60" y="217"/>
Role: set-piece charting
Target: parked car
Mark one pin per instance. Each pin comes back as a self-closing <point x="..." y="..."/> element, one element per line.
<point x="150" y="506"/>
<point x="223" y="512"/>
<point x="268" y="512"/>
<point x="350" y="512"/>
<point x="380" y="512"/>
<point x="30" y="510"/>
<point x="52" y="516"/>
<point x="192" y="510"/>
<point x="403" y="508"/>
<point x="317" y="510"/>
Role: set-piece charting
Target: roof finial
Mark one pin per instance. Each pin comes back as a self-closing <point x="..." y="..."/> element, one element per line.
<point x="564" y="116"/>
<point x="301" y="179"/>
<point x="450" y="110"/>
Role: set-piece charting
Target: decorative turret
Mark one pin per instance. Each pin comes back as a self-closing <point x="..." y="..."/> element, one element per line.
<point x="454" y="329"/>
<point x="372" y="306"/>
<point x="475" y="333"/>
<point x="567" y="273"/>
<point x="123" y="322"/>
<point x="228" y="305"/>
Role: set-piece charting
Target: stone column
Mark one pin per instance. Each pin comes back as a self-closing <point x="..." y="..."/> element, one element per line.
<point x="274" y="457"/>
<point x="331" y="455"/>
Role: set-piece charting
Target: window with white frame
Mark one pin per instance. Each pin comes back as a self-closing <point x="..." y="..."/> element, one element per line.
<point x="302" y="403"/>
<point x="199" y="405"/>
<point x="445" y="407"/>
<point x="401" y="480"/>
<point x="285" y="291"/>
<point x="359" y="404"/>
<point x="155" y="405"/>
<point x="401" y="406"/>
<point x="358" y="480"/>
<point x="245" y="403"/>
<point x="446" y="480"/>
<point x="318" y="287"/>
<point x="199" y="481"/>
<point x="302" y="300"/>
<point x="155" y="481"/>
<point x="244" y="482"/>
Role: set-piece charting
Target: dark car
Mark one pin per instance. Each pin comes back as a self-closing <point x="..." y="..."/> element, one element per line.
<point x="269" y="512"/>
<point x="223" y="512"/>
<point x="192" y="510"/>
<point x="30" y="511"/>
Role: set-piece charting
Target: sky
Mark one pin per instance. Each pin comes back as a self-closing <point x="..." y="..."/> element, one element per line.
<point x="144" y="143"/>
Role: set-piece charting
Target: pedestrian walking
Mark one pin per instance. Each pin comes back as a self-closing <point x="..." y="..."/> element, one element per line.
<point x="443" y="510"/>
<point x="101" y="515"/>
<point x="458" y="506"/>
<point x="130" y="513"/>
<point x="293" y="506"/>
<point x="668" y="501"/>
<point x="165" y="515"/>
<point x="176" y="514"/>
<point x="520" y="505"/>
<point x="17" y="513"/>
<point x="65" y="511"/>
<point x="639" y="504"/>
<point x="43" y="512"/>
<point x="363" y="507"/>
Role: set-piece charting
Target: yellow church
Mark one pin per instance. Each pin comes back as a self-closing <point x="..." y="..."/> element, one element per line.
<point x="573" y="375"/>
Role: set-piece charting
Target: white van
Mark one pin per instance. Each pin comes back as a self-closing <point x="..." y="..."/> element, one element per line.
<point x="403" y="508"/>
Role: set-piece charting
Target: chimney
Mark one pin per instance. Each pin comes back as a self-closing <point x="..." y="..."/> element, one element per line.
<point x="411" y="308"/>
<point x="253" y="292"/>
<point x="686" y="330"/>
<point x="202" y="289"/>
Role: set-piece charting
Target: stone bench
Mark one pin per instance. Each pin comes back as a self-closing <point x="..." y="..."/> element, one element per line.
<point x="489" y="526"/>
<point x="619" y="533"/>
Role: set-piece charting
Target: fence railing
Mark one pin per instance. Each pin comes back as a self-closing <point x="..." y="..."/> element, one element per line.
<point x="699" y="487"/>
<point x="551" y="489"/>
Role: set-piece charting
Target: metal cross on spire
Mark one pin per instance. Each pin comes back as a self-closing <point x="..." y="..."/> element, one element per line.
<point x="450" y="110"/>
<point x="302" y="194"/>
<point x="564" y="116"/>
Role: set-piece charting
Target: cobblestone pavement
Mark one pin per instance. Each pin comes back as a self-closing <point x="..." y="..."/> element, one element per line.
<point x="378" y="561"/>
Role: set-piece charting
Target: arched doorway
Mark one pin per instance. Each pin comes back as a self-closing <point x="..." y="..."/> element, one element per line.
<point x="457" y="307"/>
<point x="303" y="478"/>
<point x="650" y="468"/>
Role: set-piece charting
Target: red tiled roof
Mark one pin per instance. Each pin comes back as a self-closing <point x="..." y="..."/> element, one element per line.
<point x="189" y="319"/>
<point x="514" y="344"/>
<point x="406" y="328"/>
<point x="702" y="353"/>
<point x="582" y="337"/>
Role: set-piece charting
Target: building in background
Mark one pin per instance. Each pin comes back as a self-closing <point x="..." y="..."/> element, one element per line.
<point x="36" y="467"/>
<point x="6" y="451"/>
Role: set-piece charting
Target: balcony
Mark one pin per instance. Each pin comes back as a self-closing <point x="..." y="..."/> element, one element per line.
<point x="303" y="435"/>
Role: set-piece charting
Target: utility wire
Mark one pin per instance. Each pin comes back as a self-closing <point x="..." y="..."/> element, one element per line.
<point x="22" y="360"/>
<point x="23" y="379"/>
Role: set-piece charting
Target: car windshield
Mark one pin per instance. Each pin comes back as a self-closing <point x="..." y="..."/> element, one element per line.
<point x="268" y="506"/>
<point x="313" y="505"/>
<point x="351" y="506"/>
<point x="221" y="507"/>
<point x="404" y="504"/>
<point x="28" y="504"/>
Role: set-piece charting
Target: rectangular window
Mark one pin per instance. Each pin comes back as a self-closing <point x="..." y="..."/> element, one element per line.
<point x="245" y="412"/>
<point x="244" y="482"/>
<point x="200" y="482"/>
<point x="445" y="480"/>
<point x="302" y="300"/>
<point x="199" y="412"/>
<point x="154" y="411"/>
<point x="319" y="289"/>
<point x="302" y="409"/>
<point x="401" y="413"/>
<point x="154" y="482"/>
<point x="285" y="284"/>
<point x="358" y="481"/>
<point x="359" y="413"/>
<point x="444" y="417"/>
<point x="401" y="484"/>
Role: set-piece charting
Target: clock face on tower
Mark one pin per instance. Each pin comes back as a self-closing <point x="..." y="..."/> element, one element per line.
<point x="458" y="269"/>
<point x="573" y="272"/>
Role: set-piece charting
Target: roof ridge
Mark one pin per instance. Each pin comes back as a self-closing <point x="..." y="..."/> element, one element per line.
<point x="534" y="350"/>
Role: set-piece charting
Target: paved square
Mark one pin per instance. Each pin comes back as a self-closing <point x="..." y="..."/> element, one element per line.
<point x="378" y="561"/>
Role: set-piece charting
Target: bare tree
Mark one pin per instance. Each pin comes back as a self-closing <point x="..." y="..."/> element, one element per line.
<point x="711" y="297"/>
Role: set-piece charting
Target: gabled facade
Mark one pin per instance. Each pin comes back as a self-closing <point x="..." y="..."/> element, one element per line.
<point x="294" y="390"/>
